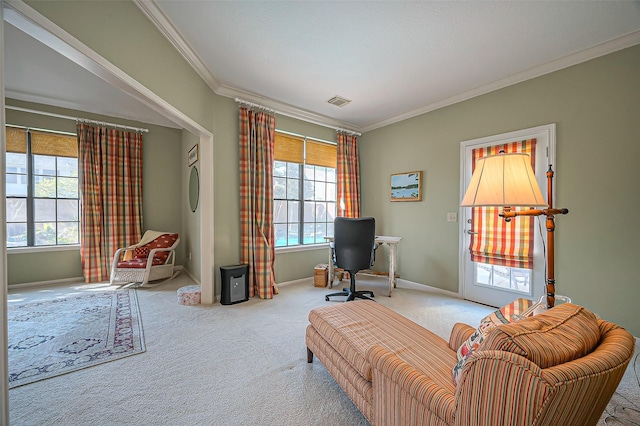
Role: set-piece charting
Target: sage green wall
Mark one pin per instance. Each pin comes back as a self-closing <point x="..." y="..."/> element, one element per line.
<point x="596" y="107"/>
<point x="129" y="40"/>
<point x="162" y="186"/>
<point x="288" y="266"/>
<point x="122" y="34"/>
<point x="226" y="202"/>
<point x="190" y="237"/>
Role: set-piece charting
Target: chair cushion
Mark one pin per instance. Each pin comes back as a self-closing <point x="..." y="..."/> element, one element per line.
<point x="561" y="334"/>
<point x="163" y="241"/>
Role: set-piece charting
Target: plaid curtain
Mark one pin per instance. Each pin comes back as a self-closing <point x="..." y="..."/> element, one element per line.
<point x="257" y="132"/>
<point x="348" y="176"/>
<point x="111" y="196"/>
<point x="498" y="242"/>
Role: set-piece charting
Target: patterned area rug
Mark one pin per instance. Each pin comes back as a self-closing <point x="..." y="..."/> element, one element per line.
<point x="54" y="337"/>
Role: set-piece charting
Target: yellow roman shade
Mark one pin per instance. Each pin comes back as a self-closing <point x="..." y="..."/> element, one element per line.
<point x="54" y="144"/>
<point x="42" y="143"/>
<point x="292" y="149"/>
<point x="16" y="140"/>
<point x="288" y="148"/>
<point x="321" y="154"/>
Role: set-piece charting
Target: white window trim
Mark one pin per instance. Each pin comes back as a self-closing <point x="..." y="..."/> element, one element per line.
<point x="42" y="249"/>
<point x="301" y="247"/>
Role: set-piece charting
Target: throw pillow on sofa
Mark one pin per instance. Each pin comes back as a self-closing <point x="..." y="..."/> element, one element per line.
<point x="504" y="315"/>
<point x="470" y="345"/>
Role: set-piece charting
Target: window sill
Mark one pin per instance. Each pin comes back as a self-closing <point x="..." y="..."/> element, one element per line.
<point x="42" y="249"/>
<point x="306" y="247"/>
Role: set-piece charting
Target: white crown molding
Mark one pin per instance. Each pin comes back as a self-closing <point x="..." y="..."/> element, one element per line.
<point x="175" y="37"/>
<point x="576" y="58"/>
<point x="283" y="108"/>
<point x="166" y="27"/>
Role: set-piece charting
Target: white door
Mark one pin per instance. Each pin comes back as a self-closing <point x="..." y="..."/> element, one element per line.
<point x="499" y="285"/>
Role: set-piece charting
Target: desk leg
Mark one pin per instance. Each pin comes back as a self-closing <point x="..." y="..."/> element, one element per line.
<point x="393" y="249"/>
<point x="330" y="276"/>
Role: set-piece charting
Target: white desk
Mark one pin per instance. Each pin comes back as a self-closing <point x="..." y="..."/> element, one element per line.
<point x="392" y="242"/>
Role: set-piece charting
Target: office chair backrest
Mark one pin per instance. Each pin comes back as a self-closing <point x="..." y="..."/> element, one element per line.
<point x="354" y="241"/>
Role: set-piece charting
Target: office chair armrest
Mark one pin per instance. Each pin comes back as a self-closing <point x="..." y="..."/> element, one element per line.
<point x="373" y="253"/>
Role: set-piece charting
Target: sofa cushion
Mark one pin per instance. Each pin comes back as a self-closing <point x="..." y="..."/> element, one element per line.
<point x="354" y="327"/>
<point x="561" y="334"/>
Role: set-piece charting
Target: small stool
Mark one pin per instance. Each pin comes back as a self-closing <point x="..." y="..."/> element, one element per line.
<point x="189" y="295"/>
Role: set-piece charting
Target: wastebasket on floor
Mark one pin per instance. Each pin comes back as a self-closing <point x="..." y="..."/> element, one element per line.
<point x="235" y="284"/>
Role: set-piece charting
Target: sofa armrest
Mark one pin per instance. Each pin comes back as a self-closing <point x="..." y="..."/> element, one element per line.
<point x="459" y="334"/>
<point x="404" y="396"/>
<point x="498" y="398"/>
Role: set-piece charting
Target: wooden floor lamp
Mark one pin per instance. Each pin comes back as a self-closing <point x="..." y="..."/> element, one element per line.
<point x="507" y="181"/>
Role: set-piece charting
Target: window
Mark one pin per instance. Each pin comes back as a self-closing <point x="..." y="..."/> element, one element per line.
<point x="41" y="189"/>
<point x="304" y="190"/>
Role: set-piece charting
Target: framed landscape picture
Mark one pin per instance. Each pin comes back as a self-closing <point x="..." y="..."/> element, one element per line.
<point x="193" y="155"/>
<point x="406" y="186"/>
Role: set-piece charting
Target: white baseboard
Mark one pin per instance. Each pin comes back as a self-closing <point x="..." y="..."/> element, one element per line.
<point x="74" y="280"/>
<point x="195" y="280"/>
<point x="400" y="283"/>
<point x="424" y="287"/>
<point x="216" y="298"/>
<point x="47" y="283"/>
<point x="300" y="281"/>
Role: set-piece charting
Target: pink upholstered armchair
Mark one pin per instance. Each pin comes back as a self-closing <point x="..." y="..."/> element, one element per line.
<point x="151" y="259"/>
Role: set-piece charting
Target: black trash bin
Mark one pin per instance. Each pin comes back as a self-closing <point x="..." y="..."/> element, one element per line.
<point x="235" y="284"/>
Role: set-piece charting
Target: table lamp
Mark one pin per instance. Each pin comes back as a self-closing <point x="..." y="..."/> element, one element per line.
<point x="507" y="180"/>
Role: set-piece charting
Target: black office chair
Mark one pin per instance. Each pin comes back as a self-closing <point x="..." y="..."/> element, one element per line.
<point x="354" y="250"/>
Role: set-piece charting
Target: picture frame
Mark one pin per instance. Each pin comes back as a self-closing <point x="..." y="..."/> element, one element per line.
<point x="193" y="155"/>
<point x="406" y="186"/>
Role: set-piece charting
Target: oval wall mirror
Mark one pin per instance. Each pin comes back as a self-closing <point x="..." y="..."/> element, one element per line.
<point x="194" y="189"/>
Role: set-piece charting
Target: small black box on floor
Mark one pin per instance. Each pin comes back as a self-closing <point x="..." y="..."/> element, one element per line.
<point x="235" y="284"/>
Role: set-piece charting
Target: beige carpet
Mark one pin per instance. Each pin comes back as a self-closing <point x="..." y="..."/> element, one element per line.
<point x="241" y="364"/>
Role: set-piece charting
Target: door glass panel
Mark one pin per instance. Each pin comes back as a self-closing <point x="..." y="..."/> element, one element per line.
<point x="503" y="277"/>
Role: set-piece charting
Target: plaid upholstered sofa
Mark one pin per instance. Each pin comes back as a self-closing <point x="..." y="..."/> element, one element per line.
<point x="560" y="367"/>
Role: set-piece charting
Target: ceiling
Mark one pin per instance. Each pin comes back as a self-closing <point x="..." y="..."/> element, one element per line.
<point x="392" y="59"/>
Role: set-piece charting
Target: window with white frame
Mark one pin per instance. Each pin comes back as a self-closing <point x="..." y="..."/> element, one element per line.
<point x="42" y="193"/>
<point x="304" y="190"/>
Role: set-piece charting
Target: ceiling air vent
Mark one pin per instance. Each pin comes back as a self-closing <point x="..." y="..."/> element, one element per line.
<point x="339" y="101"/>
